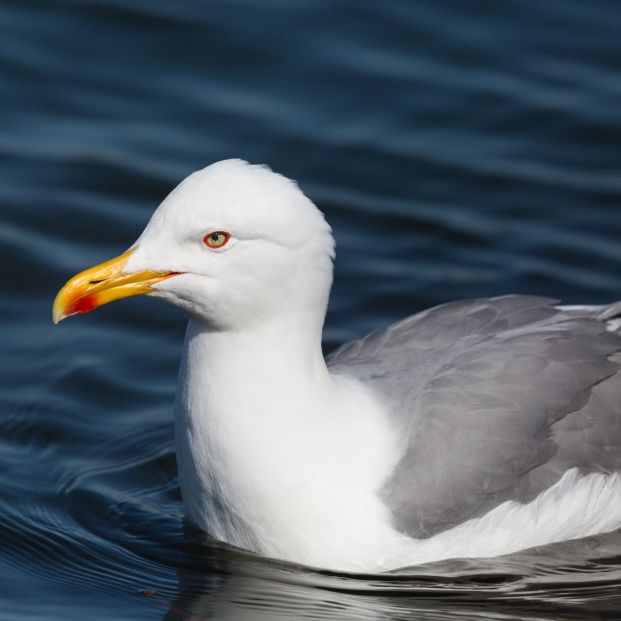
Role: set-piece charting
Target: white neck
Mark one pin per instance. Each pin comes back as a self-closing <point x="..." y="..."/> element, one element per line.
<point x="274" y="453"/>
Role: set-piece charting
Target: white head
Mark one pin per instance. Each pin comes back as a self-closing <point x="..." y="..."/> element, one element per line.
<point x="276" y="257"/>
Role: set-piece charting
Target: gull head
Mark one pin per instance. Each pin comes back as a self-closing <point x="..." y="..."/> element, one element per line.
<point x="232" y="244"/>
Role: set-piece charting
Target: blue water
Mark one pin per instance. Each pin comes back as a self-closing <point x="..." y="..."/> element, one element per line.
<point x="458" y="149"/>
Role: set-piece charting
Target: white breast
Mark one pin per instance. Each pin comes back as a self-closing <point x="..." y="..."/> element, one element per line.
<point x="288" y="470"/>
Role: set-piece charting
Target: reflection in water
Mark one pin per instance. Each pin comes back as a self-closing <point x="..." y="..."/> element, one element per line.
<point x="549" y="583"/>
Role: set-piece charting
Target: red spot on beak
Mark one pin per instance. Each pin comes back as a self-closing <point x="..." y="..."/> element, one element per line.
<point x="82" y="305"/>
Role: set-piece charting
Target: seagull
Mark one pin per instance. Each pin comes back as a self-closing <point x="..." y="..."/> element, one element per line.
<point x="473" y="429"/>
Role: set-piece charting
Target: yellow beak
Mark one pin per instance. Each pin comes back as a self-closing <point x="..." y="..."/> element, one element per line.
<point x="102" y="284"/>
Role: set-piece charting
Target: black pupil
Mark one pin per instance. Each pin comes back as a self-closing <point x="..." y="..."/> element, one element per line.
<point x="215" y="237"/>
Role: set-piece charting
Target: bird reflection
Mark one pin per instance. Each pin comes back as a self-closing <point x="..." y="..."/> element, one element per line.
<point x="224" y="584"/>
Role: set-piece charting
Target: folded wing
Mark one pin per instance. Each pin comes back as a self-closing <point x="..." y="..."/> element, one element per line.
<point x="494" y="400"/>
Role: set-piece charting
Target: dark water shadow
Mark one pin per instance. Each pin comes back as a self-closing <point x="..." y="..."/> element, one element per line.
<point x="572" y="580"/>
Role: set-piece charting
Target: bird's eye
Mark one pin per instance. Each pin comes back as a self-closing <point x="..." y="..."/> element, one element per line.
<point x="217" y="239"/>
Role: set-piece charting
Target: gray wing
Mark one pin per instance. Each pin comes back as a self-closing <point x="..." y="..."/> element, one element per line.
<point x="494" y="400"/>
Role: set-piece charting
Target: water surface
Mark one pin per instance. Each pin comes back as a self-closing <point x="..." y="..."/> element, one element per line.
<point x="458" y="150"/>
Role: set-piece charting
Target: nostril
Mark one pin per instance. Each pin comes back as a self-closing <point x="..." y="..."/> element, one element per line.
<point x="94" y="282"/>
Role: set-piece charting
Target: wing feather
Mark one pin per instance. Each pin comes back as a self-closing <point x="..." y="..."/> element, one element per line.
<point x="494" y="399"/>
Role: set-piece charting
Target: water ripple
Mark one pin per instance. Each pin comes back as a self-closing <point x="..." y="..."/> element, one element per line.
<point x="458" y="151"/>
